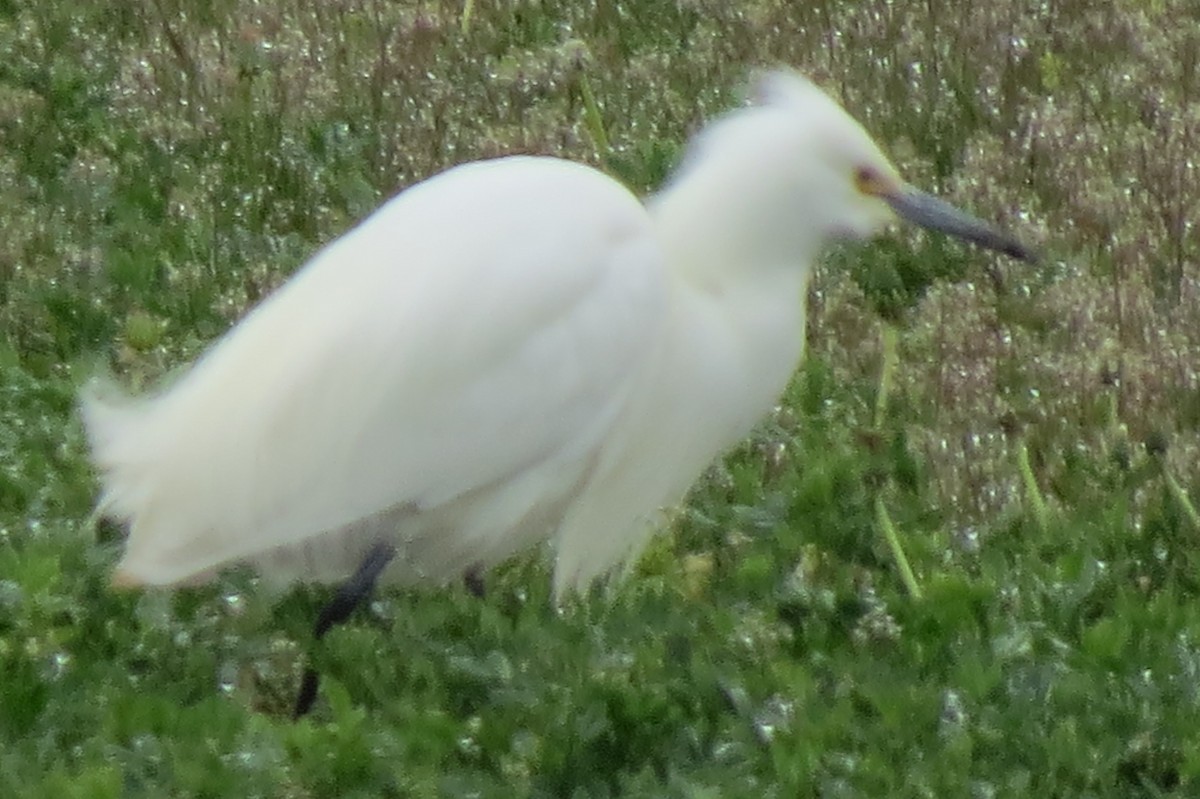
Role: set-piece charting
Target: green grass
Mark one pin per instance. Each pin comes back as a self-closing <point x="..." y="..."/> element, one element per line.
<point x="164" y="165"/>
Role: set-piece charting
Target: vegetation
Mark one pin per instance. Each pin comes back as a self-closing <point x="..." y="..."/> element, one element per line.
<point x="164" y="164"/>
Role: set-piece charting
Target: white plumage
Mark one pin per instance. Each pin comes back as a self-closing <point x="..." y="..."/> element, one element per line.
<point x="513" y="352"/>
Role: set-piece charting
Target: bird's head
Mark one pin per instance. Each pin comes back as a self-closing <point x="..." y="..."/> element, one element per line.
<point x="797" y="171"/>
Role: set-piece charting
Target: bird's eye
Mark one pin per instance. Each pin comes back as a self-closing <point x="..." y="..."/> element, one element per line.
<point x="868" y="181"/>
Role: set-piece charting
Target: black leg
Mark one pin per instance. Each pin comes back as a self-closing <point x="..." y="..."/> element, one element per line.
<point x="349" y="596"/>
<point x="473" y="580"/>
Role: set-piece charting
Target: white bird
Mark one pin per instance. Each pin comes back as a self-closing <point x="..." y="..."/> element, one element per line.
<point x="513" y="352"/>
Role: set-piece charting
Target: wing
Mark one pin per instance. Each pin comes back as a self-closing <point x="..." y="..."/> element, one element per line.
<point x="474" y="327"/>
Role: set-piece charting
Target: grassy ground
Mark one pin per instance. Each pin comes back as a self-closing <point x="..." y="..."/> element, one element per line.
<point x="164" y="164"/>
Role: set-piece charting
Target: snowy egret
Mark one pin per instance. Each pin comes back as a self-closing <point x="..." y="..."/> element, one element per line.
<point x="515" y="351"/>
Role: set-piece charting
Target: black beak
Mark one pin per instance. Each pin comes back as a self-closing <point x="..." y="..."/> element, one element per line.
<point x="929" y="212"/>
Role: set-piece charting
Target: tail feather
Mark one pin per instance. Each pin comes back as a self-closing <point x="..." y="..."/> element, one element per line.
<point x="116" y="431"/>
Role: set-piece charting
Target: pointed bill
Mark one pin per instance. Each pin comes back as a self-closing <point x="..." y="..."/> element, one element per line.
<point x="921" y="208"/>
